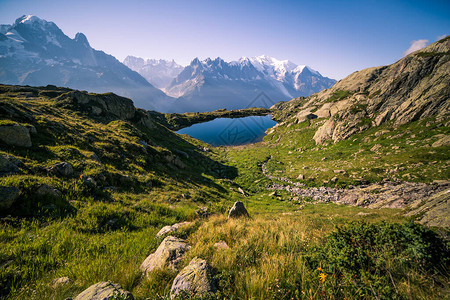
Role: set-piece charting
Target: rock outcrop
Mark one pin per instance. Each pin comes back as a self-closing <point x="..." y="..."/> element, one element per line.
<point x="168" y="255"/>
<point x="238" y="210"/>
<point x="414" y="88"/>
<point x="107" y="105"/>
<point x="104" y="291"/>
<point x="15" y="135"/>
<point x="195" y="280"/>
<point x="9" y="164"/>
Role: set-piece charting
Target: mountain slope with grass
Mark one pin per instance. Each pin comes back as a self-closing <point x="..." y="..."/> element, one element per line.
<point x="97" y="193"/>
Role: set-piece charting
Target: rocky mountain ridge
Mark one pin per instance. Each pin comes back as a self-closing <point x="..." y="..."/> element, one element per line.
<point x="415" y="87"/>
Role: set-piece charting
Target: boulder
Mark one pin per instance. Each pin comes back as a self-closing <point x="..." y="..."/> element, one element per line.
<point x="63" y="168"/>
<point x="104" y="291"/>
<point x="238" y="210"/>
<point x="444" y="141"/>
<point x="15" y="135"/>
<point x="195" y="280"/>
<point x="8" y="195"/>
<point x="168" y="255"/>
<point x="9" y="164"/>
<point x="47" y="191"/>
<point x="171" y="228"/>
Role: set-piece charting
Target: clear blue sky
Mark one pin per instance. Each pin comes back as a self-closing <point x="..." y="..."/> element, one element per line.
<point x="335" y="37"/>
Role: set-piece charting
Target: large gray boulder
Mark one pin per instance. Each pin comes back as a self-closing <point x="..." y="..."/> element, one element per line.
<point x="171" y="228"/>
<point x="15" y="135"/>
<point x="238" y="210"/>
<point x="8" y="195"/>
<point x="48" y="191"/>
<point x="168" y="255"/>
<point x="104" y="291"/>
<point x="195" y="280"/>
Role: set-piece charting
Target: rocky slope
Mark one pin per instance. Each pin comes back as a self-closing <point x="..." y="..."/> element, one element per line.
<point x="416" y="87"/>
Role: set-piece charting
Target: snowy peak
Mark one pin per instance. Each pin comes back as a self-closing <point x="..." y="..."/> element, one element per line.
<point x="158" y="72"/>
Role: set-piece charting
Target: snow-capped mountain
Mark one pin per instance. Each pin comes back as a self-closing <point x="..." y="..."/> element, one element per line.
<point x="36" y="52"/>
<point x="158" y="72"/>
<point x="213" y="84"/>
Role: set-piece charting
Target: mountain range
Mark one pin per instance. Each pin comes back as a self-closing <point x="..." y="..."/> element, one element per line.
<point x="36" y="52"/>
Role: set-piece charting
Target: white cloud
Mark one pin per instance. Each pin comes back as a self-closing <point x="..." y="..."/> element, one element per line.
<point x="441" y="37"/>
<point x="416" y="45"/>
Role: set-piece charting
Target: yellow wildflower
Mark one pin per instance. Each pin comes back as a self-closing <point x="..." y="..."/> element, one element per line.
<point x="322" y="277"/>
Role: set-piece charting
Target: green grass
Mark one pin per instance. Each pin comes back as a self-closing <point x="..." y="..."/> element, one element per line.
<point x="104" y="231"/>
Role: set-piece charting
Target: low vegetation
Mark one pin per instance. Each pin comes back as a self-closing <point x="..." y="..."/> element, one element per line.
<point x="130" y="178"/>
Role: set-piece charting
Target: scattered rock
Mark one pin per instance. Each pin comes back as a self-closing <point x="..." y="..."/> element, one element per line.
<point x="444" y="141"/>
<point x="63" y="168"/>
<point x="301" y="177"/>
<point x="273" y="194"/>
<point x="168" y="255"/>
<point x="47" y="191"/>
<point x="339" y="171"/>
<point x="238" y="210"/>
<point x="95" y="157"/>
<point x="221" y="245"/>
<point x="8" y="195"/>
<point x="203" y="212"/>
<point x="172" y="228"/>
<point x="195" y="280"/>
<point x="242" y="192"/>
<point x="58" y="282"/>
<point x="88" y="180"/>
<point x="15" y="135"/>
<point x="376" y="147"/>
<point x="334" y="179"/>
<point x="104" y="291"/>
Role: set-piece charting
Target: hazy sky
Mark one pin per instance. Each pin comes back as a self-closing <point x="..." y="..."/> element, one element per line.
<point x="335" y="37"/>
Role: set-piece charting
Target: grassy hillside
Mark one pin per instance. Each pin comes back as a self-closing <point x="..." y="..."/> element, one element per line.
<point x="131" y="176"/>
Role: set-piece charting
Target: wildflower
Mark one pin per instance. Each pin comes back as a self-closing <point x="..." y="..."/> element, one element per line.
<point x="322" y="277"/>
<point x="319" y="269"/>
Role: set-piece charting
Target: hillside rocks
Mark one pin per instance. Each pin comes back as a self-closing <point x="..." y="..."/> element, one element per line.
<point x="171" y="228"/>
<point x="414" y="88"/>
<point x="15" y="135"/>
<point x="58" y="282"/>
<point x="107" y="105"/>
<point x="168" y="255"/>
<point x="238" y="210"/>
<point x="104" y="291"/>
<point x="8" y="195"/>
<point x="195" y="280"/>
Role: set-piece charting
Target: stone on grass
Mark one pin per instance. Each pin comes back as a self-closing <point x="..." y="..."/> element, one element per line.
<point x="58" y="282"/>
<point x="15" y="135"/>
<point x="8" y="195"/>
<point x="104" y="291"/>
<point x="47" y="191"/>
<point x="221" y="245"/>
<point x="238" y="210"/>
<point x="169" y="253"/>
<point x="195" y="280"/>
<point x="63" y="168"/>
<point x="171" y="228"/>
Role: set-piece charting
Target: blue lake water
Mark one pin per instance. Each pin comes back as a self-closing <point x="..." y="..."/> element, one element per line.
<point x="227" y="132"/>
